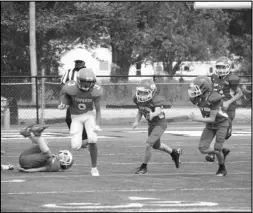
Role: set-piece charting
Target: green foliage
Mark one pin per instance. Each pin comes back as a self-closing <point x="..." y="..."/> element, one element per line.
<point x="136" y="32"/>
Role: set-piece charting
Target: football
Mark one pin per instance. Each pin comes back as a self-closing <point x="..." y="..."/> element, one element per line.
<point x="65" y="99"/>
<point x="71" y="88"/>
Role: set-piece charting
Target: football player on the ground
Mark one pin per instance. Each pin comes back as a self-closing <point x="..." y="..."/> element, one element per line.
<point x="39" y="158"/>
<point x="210" y="105"/>
<point x="150" y="105"/>
<point x="80" y="96"/>
<point x="227" y="85"/>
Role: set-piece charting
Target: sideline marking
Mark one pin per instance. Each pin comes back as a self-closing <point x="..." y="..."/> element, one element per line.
<point x="12" y="181"/>
<point x="125" y="190"/>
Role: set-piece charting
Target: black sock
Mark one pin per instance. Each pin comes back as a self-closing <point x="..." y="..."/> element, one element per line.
<point x="144" y="165"/>
<point x="222" y="166"/>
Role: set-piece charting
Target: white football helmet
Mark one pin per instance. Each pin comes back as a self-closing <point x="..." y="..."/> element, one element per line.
<point x="66" y="159"/>
<point x="223" y="66"/>
<point x="145" y="90"/>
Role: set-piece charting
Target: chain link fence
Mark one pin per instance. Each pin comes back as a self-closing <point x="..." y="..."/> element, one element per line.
<point x="35" y="100"/>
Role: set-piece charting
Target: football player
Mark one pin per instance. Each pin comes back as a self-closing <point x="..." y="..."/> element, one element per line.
<point x="210" y="104"/>
<point x="81" y="96"/>
<point x="39" y="158"/>
<point x="150" y="105"/>
<point x="227" y="85"/>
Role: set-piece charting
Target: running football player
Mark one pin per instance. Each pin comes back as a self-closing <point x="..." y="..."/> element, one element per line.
<point x="39" y="158"/>
<point x="226" y="84"/>
<point x="80" y="96"/>
<point x="150" y="104"/>
<point x="210" y="104"/>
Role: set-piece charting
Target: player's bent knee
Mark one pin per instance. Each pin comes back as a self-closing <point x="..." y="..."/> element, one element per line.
<point x="156" y="145"/>
<point x="203" y="150"/>
<point x="93" y="139"/>
<point x="218" y="146"/>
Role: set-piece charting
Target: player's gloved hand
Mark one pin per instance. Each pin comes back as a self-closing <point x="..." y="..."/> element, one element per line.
<point x="63" y="106"/>
<point x="191" y="116"/>
<point x="135" y="124"/>
<point x="97" y="129"/>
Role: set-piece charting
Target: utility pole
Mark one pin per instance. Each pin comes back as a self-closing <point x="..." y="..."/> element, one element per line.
<point x="33" y="60"/>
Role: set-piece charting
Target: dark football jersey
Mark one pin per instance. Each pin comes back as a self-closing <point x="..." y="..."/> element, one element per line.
<point x="53" y="164"/>
<point x="212" y="102"/>
<point x="149" y="106"/>
<point x="225" y="85"/>
<point x="83" y="101"/>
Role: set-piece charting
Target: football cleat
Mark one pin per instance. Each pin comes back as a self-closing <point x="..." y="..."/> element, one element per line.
<point x="141" y="170"/>
<point x="37" y="130"/>
<point x="94" y="172"/>
<point x="210" y="158"/>
<point x="221" y="172"/>
<point x="26" y="132"/>
<point x="176" y="153"/>
<point x="225" y="153"/>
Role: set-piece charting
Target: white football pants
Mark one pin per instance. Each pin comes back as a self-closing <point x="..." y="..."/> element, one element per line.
<point x="76" y="129"/>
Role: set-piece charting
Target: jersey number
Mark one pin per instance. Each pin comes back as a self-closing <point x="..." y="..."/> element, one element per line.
<point x="82" y="106"/>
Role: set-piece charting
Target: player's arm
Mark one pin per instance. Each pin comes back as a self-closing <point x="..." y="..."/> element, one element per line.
<point x="40" y="169"/>
<point x="137" y="119"/>
<point x="238" y="95"/>
<point x="157" y="112"/>
<point x="210" y="119"/>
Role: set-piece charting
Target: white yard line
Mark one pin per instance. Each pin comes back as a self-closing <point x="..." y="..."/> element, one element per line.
<point x="126" y="190"/>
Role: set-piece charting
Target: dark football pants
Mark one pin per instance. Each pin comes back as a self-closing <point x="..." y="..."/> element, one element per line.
<point x="33" y="158"/>
<point x="209" y="133"/>
<point x="155" y="131"/>
<point x="68" y="121"/>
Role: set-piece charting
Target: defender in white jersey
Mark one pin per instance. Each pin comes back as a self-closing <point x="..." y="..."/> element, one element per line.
<point x="81" y="97"/>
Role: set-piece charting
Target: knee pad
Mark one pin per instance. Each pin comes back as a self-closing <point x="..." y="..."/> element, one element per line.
<point x="156" y="145"/>
<point x="93" y="138"/>
<point x="218" y="146"/>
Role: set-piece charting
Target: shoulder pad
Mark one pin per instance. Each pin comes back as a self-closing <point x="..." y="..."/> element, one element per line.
<point x="158" y="100"/>
<point x="71" y="87"/>
<point x="214" y="96"/>
<point x="233" y="80"/>
<point x="97" y="91"/>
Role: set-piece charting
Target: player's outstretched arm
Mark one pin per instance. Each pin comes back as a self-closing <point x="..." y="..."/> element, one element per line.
<point x="137" y="119"/>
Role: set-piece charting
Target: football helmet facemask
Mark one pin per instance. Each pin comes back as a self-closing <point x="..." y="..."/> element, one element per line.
<point x="223" y="66"/>
<point x="199" y="86"/>
<point x="145" y="90"/>
<point x="86" y="79"/>
<point x="65" y="158"/>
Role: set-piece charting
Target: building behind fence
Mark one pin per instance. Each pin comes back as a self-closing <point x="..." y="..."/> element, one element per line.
<point x="117" y="106"/>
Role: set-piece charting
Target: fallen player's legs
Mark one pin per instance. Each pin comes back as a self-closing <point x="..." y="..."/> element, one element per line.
<point x="32" y="158"/>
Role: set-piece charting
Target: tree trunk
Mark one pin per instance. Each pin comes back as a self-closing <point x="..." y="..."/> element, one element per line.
<point x="121" y="65"/>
